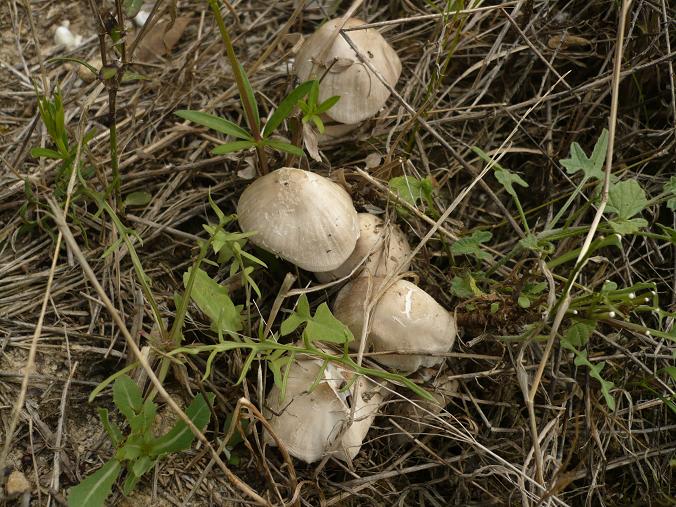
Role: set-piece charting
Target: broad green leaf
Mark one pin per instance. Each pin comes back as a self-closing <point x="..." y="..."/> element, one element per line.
<point x="234" y="146"/>
<point x="592" y="168"/>
<point x="325" y="327"/>
<point x="579" y="333"/>
<point x="465" y="287"/>
<point x="127" y="397"/>
<point x="38" y="152"/>
<point x="180" y="437"/>
<point x="286" y="107"/>
<point x="626" y="199"/>
<point x="471" y="245"/>
<point x="213" y="299"/>
<point x="111" y="428"/>
<point x="412" y="190"/>
<point x="215" y="123"/>
<point x="630" y="226"/>
<point x="138" y="199"/>
<point x="143" y="422"/>
<point x="285" y="147"/>
<point x="93" y="491"/>
<point x="670" y="189"/>
<point x="507" y="179"/>
<point x="300" y="315"/>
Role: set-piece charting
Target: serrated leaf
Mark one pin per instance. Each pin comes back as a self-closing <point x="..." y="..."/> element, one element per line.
<point x="138" y="199"/>
<point x="143" y="422"/>
<point x="93" y="491"/>
<point x="508" y="179"/>
<point x="111" y="428"/>
<point x="286" y="107"/>
<point x="232" y="147"/>
<point x="626" y="199"/>
<point x="127" y="397"/>
<point x="471" y="245"/>
<point x="180" y="437"/>
<point x="579" y="333"/>
<point x="412" y="190"/>
<point x="285" y="147"/>
<point x="630" y="226"/>
<point x="213" y="299"/>
<point x="465" y="287"/>
<point x="214" y="123"/>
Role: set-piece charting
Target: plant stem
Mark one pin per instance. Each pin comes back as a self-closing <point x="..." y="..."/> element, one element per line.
<point x="239" y="80"/>
<point x="114" y="162"/>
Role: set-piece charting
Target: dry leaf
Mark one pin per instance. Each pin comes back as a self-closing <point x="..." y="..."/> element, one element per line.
<point x="310" y="142"/>
<point x="161" y="39"/>
<point x="373" y="160"/>
<point x="567" y="41"/>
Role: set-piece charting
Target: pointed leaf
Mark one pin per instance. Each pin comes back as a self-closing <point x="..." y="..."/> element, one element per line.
<point x="111" y="428"/>
<point x="127" y="397"/>
<point x="251" y="98"/>
<point x="93" y="491"/>
<point x="38" y="152"/>
<point x="285" y="147"/>
<point x="215" y="123"/>
<point x="234" y="146"/>
<point x="326" y="328"/>
<point x="180" y="437"/>
<point x="286" y="107"/>
<point x="213" y="299"/>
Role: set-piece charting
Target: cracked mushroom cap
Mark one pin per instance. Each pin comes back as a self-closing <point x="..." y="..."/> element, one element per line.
<point x="384" y="244"/>
<point x="301" y="217"/>
<point x="404" y="319"/>
<point x="361" y="93"/>
<point x="313" y="424"/>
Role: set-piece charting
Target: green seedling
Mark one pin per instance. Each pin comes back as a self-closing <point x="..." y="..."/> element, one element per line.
<point x="414" y="191"/>
<point x="312" y="109"/>
<point x="140" y="449"/>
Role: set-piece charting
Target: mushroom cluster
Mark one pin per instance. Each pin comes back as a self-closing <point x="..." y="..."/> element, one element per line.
<point x="311" y="221"/>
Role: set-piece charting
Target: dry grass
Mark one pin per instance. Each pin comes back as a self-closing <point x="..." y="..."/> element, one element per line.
<point x="499" y="79"/>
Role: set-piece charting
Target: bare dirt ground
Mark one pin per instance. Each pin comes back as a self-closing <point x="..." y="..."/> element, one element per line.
<point x="522" y="81"/>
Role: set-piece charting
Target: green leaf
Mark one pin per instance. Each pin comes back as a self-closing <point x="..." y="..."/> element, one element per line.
<point x="180" y="437"/>
<point x="132" y="7"/>
<point x="507" y="179"/>
<point x="214" y="123"/>
<point x="592" y="168"/>
<point x="670" y="189"/>
<point x="412" y="190"/>
<point x="579" y="333"/>
<point x="213" y="299"/>
<point x="138" y="199"/>
<point x="108" y="72"/>
<point x="143" y="422"/>
<point x="286" y="107"/>
<point x="127" y="397"/>
<point x="631" y="226"/>
<point x="251" y="98"/>
<point x="626" y="199"/>
<point x="234" y="146"/>
<point x="326" y="328"/>
<point x="465" y="287"/>
<point x="93" y="491"/>
<point x="38" y="152"/>
<point x="142" y="465"/>
<point x="111" y="428"/>
<point x="523" y="301"/>
<point x="471" y="245"/>
<point x="130" y="77"/>
<point x="285" y="147"/>
<point x="129" y="484"/>
<point x="327" y="104"/>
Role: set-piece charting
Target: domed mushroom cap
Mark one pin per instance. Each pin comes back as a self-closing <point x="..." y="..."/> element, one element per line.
<point x="313" y="424"/>
<point x="385" y="245"/>
<point x="361" y="93"/>
<point x="405" y="318"/>
<point x="301" y="217"/>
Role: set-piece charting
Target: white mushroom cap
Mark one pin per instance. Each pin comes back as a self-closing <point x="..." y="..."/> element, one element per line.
<point x="384" y="256"/>
<point x="405" y="318"/>
<point x="361" y="93"/>
<point x="301" y="217"/>
<point x="313" y="424"/>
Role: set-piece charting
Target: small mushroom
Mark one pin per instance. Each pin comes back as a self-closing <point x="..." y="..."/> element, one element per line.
<point x="312" y="424"/>
<point x="87" y="75"/>
<point x="301" y="217"/>
<point x="64" y="37"/>
<point x="361" y="93"/>
<point x="384" y="257"/>
<point x="405" y="319"/>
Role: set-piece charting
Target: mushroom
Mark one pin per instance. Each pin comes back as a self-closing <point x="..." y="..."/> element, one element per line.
<point x="64" y="37"/>
<point x="405" y="319"/>
<point x="385" y="246"/>
<point x="361" y="93"/>
<point x="301" y="217"/>
<point x="87" y="75"/>
<point x="312" y="424"/>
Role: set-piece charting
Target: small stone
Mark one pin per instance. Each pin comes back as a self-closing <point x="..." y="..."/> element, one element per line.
<point x="17" y="484"/>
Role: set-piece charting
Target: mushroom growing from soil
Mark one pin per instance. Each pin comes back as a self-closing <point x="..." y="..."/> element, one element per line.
<point x="301" y="217"/>
<point x="313" y="424"/>
<point x="384" y="244"/>
<point x="361" y="93"/>
<point x="404" y="319"/>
